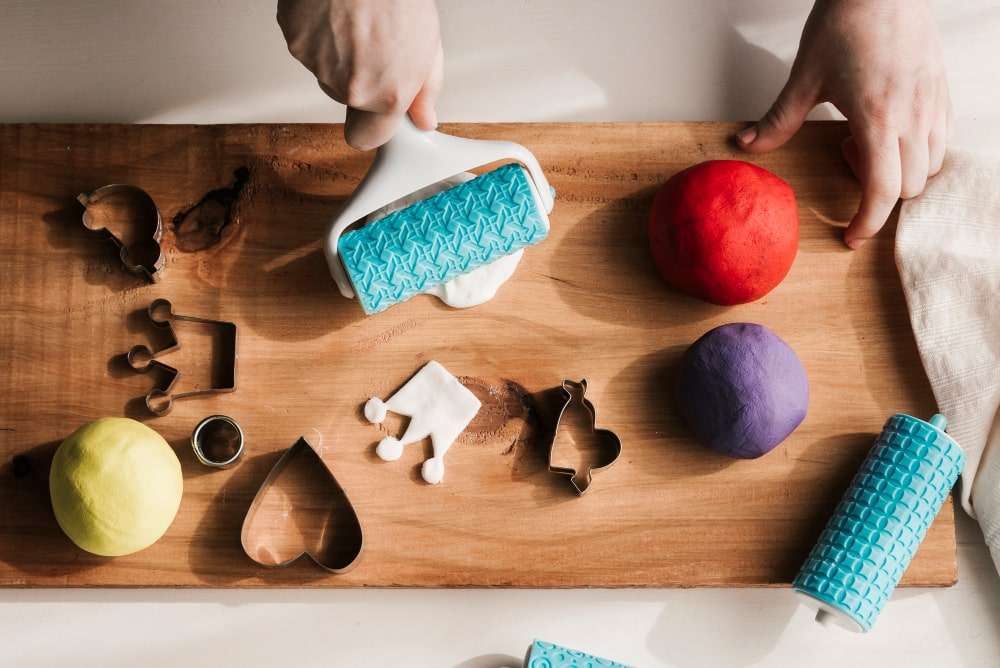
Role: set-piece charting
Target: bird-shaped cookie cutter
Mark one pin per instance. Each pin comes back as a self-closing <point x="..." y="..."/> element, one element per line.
<point x="141" y="255"/>
<point x="159" y="401"/>
<point x="574" y="392"/>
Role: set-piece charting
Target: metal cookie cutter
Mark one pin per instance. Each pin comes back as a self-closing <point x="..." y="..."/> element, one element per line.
<point x="575" y="397"/>
<point x="301" y="509"/>
<point x="142" y="359"/>
<point x="140" y="250"/>
<point x="218" y="441"/>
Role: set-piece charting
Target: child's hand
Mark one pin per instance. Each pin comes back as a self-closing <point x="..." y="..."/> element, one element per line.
<point x="880" y="63"/>
<point x="382" y="58"/>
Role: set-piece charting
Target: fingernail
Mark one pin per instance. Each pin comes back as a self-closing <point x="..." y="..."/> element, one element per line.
<point x="748" y="135"/>
<point x="854" y="243"/>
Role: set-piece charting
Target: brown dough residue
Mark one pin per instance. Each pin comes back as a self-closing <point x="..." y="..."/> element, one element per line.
<point x="505" y="417"/>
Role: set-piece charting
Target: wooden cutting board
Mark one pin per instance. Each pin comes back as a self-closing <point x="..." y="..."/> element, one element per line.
<point x="584" y="304"/>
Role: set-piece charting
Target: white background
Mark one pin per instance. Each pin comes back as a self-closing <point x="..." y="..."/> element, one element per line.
<point x="224" y="61"/>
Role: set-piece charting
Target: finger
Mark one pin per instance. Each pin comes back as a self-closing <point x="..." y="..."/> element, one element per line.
<point x="422" y="110"/>
<point x="914" y="160"/>
<point x="330" y="92"/>
<point x="849" y="149"/>
<point x="937" y="144"/>
<point x="881" y="181"/>
<point x="938" y="139"/>
<point x="782" y="120"/>
<point x="373" y="98"/>
<point x="949" y="118"/>
<point x="365" y="130"/>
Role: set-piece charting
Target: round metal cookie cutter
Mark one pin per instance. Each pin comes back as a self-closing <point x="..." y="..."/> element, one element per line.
<point x="218" y="441"/>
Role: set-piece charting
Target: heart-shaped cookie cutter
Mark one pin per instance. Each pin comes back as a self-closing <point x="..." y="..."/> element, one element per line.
<point x="264" y="532"/>
<point x="572" y="390"/>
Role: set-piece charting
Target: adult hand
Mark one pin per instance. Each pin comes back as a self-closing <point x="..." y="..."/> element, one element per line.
<point x="382" y="58"/>
<point x="880" y="63"/>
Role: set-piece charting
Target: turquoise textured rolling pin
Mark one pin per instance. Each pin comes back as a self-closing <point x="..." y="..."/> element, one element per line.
<point x="880" y="522"/>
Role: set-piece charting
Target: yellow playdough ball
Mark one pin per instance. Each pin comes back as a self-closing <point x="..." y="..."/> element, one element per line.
<point x="115" y="486"/>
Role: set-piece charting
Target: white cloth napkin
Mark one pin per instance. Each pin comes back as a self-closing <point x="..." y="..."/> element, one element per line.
<point x="948" y="254"/>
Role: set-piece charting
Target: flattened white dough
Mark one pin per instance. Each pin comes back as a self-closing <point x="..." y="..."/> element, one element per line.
<point x="479" y="285"/>
<point x="438" y="406"/>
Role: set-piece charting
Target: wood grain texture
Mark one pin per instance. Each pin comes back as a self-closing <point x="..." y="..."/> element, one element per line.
<point x="586" y="303"/>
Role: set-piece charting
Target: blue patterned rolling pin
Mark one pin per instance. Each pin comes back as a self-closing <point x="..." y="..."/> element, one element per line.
<point x="880" y="522"/>
<point x="549" y="655"/>
<point x="442" y="237"/>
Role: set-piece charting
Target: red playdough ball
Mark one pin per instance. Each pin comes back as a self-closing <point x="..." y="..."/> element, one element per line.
<point x="724" y="231"/>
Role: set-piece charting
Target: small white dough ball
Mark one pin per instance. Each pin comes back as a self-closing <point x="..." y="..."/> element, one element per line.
<point x="433" y="470"/>
<point x="389" y="449"/>
<point x="375" y="410"/>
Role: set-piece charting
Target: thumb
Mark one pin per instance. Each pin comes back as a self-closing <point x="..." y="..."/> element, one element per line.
<point x="422" y="110"/>
<point x="365" y="130"/>
<point x="782" y="120"/>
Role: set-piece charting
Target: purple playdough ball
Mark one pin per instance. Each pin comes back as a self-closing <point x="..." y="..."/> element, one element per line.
<point x="742" y="390"/>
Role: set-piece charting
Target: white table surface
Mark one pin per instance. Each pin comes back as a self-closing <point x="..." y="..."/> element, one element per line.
<point x="223" y="61"/>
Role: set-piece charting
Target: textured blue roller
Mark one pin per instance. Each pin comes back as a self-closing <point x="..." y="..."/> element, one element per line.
<point x="547" y="655"/>
<point x="446" y="235"/>
<point x="883" y="517"/>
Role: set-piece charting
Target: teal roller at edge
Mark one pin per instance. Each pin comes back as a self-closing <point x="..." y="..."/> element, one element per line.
<point x="549" y="655"/>
<point x="881" y="520"/>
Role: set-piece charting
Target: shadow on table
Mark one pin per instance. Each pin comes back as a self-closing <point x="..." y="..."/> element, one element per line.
<point x="278" y="271"/>
<point x="492" y="661"/>
<point x="28" y="516"/>
<point x="627" y="289"/>
<point x="100" y="256"/>
<point x="712" y="627"/>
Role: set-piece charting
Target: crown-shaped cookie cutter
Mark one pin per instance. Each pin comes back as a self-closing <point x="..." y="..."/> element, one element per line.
<point x="575" y="393"/>
<point x="159" y="401"/>
<point x="142" y="255"/>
